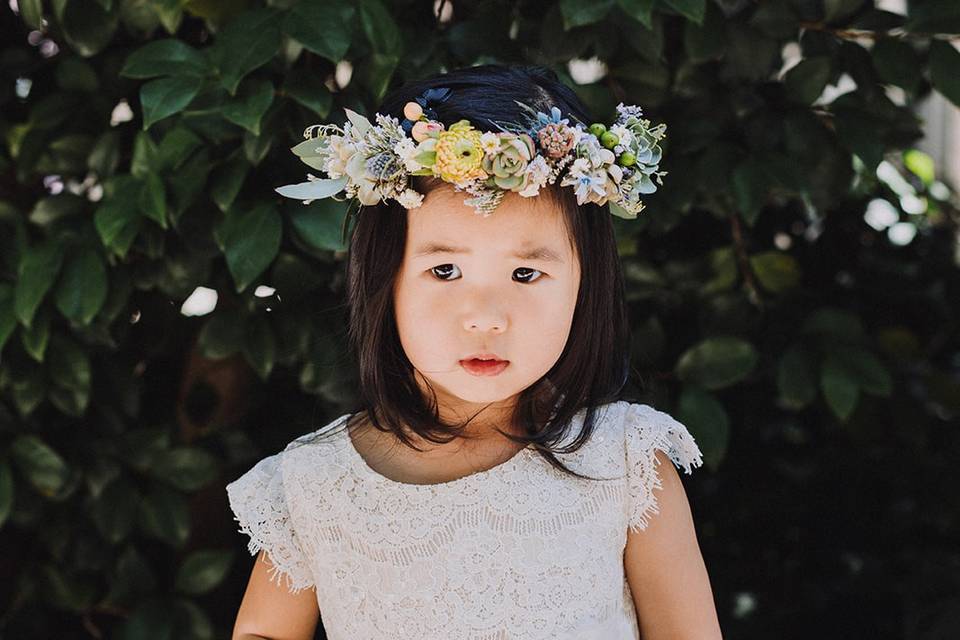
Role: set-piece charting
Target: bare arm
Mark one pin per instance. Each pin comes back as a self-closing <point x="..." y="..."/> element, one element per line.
<point x="665" y="570"/>
<point x="271" y="612"/>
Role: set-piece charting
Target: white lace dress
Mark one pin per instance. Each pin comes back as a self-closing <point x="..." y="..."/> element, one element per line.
<point x="520" y="550"/>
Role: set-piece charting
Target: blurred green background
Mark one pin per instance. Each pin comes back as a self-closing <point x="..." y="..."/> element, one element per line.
<point x="166" y="319"/>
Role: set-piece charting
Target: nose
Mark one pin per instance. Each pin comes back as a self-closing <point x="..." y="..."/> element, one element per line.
<point x="485" y="315"/>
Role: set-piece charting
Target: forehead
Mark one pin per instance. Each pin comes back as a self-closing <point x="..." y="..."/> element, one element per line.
<point x="517" y="222"/>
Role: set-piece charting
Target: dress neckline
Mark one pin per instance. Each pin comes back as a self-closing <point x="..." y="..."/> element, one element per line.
<point x="367" y="470"/>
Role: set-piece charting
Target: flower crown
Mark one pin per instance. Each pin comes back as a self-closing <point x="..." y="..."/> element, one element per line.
<point x="374" y="162"/>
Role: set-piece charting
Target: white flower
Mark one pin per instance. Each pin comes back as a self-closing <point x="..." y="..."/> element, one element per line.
<point x="536" y="175"/>
<point x="580" y="165"/>
<point x="410" y="199"/>
<point x="490" y="142"/>
<point x="407" y="149"/>
<point x="624" y="134"/>
<point x="590" y="185"/>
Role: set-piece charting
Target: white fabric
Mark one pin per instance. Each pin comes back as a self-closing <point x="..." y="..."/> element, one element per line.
<point x="517" y="551"/>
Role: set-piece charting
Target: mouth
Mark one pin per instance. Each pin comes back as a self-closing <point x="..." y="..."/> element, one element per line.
<point x="484" y="366"/>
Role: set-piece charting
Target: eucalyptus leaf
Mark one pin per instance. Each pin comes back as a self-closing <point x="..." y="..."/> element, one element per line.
<point x="314" y="189"/>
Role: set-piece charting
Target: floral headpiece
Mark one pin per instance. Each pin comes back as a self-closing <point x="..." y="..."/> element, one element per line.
<point x="374" y="162"/>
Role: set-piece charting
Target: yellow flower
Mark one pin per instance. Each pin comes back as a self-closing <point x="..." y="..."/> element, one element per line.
<point x="459" y="154"/>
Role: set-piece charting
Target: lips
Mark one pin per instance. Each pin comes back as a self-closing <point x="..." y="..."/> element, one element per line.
<point x="484" y="364"/>
<point x="484" y="356"/>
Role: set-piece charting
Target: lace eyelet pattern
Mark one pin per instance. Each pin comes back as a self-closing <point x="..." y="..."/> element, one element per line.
<point x="519" y="550"/>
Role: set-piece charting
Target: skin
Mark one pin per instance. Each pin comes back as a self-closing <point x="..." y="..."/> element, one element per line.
<point x="451" y="305"/>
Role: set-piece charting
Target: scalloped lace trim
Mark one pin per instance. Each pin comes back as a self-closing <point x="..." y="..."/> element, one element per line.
<point x="648" y="430"/>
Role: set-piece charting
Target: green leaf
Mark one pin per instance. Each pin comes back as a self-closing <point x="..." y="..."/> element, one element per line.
<point x="6" y="492"/>
<point x="706" y="418"/>
<point x="8" y="320"/>
<point x="36" y="337"/>
<point x="221" y="336"/>
<point x="717" y="362"/>
<point x="177" y="146"/>
<point x="937" y="16"/>
<point x="319" y="223"/>
<point x="38" y="270"/>
<point x="153" y="199"/>
<point x="333" y="40"/>
<point x="227" y="179"/>
<point x="776" y="271"/>
<point x="164" y="97"/>
<point x="43" y="467"/>
<point x="50" y="209"/>
<point x="247" y="42"/>
<point x="707" y="41"/>
<point x="796" y="378"/>
<point x="163" y="515"/>
<point x="896" y="63"/>
<point x="805" y="81"/>
<point x="835" y="11"/>
<point x="840" y="388"/>
<point x="861" y="132"/>
<point x="114" y="512"/>
<point x="834" y="323"/>
<point x="32" y="13"/>
<point x="105" y="154"/>
<point x="76" y="74"/>
<point x="692" y="10"/>
<point x="310" y="91"/>
<point x="381" y="29"/>
<point x="82" y="288"/>
<point x="259" y="346"/>
<point x="252" y="101"/>
<point x="85" y="25"/>
<point x="186" y="468"/>
<point x="68" y="365"/>
<point x="202" y="571"/>
<point x="641" y="10"/>
<point x="577" y="13"/>
<point x="866" y="369"/>
<point x="168" y="56"/>
<point x="944" y="62"/>
<point x="118" y="218"/>
<point x="250" y="240"/>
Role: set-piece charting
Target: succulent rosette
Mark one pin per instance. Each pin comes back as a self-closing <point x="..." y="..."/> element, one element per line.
<point x="507" y="166"/>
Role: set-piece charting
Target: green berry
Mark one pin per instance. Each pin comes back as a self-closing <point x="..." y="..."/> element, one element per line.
<point x="627" y="159"/>
<point x="609" y="139"/>
<point x="597" y="129"/>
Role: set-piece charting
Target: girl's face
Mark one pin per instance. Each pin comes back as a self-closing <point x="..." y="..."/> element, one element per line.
<point x="506" y="284"/>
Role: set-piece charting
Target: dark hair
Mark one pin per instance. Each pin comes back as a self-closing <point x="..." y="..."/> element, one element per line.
<point x="594" y="365"/>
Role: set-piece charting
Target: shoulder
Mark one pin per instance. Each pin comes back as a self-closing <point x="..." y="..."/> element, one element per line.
<point x="647" y="430"/>
<point x="297" y="455"/>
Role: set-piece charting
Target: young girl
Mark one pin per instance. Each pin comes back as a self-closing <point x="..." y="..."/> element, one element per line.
<point x="491" y="485"/>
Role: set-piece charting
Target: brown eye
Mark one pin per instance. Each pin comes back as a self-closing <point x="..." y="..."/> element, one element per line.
<point x="441" y="270"/>
<point x="527" y="269"/>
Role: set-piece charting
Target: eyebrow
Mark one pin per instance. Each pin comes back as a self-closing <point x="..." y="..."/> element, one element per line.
<point x="535" y="253"/>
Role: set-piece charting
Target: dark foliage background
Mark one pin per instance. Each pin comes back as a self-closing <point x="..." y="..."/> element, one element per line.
<point x="794" y="288"/>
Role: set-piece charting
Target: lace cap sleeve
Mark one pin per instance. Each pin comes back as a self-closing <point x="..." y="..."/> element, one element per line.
<point x="645" y="430"/>
<point x="259" y="504"/>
